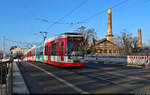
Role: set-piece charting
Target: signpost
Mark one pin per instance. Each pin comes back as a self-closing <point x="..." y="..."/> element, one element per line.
<point x="147" y="61"/>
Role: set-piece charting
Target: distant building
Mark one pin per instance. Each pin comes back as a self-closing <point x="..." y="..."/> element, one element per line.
<point x="106" y="45"/>
<point x="18" y="50"/>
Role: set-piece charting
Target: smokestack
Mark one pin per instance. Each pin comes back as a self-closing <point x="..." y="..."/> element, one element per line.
<point x="109" y="35"/>
<point x="139" y="38"/>
<point x="109" y="25"/>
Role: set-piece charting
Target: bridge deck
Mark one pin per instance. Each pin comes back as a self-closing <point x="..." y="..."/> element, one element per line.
<point x="92" y="78"/>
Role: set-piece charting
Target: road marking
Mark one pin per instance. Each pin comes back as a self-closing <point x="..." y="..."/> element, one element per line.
<point x="60" y="79"/>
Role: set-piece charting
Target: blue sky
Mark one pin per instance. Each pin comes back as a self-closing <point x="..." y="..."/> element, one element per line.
<point x="18" y="18"/>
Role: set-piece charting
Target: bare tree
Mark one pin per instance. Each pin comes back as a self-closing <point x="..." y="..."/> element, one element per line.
<point x="124" y="42"/>
<point x="89" y="39"/>
<point x="134" y="46"/>
<point x="146" y="45"/>
<point x="127" y="44"/>
<point x="81" y="29"/>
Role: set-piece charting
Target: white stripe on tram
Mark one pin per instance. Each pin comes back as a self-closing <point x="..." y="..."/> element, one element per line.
<point x="62" y="80"/>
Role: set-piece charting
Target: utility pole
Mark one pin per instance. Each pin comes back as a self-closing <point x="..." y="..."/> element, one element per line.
<point x="44" y="37"/>
<point x="3" y="46"/>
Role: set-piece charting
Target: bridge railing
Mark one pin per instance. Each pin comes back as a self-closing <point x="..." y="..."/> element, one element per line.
<point x="123" y="60"/>
<point x="6" y="77"/>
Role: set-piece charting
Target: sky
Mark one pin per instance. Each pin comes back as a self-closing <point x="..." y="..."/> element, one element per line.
<point x="22" y="20"/>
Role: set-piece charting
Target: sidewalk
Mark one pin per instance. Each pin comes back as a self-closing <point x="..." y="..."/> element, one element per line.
<point x="3" y="89"/>
<point x="19" y="86"/>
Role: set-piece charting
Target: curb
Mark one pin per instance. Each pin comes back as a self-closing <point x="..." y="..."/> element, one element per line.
<point x="134" y="66"/>
<point x="19" y="86"/>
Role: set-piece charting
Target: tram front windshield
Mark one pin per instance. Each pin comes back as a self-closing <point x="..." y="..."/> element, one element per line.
<point x="75" y="49"/>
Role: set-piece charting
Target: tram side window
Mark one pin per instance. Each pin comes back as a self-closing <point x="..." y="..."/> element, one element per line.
<point x="41" y="50"/>
<point x="56" y="49"/>
<point x="53" y="49"/>
<point x="37" y="52"/>
<point x="46" y="50"/>
<point x="62" y="48"/>
<point x="34" y="52"/>
<point x="49" y="50"/>
<point x="66" y="49"/>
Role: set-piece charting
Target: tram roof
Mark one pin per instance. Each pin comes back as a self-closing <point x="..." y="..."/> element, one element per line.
<point x="63" y="35"/>
<point x="67" y="34"/>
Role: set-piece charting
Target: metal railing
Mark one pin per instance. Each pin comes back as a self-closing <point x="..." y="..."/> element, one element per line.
<point x="6" y="78"/>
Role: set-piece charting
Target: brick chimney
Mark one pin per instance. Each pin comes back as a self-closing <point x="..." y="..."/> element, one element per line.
<point x="139" y="38"/>
<point x="109" y="35"/>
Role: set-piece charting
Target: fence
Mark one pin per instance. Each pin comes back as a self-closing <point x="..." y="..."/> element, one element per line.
<point x="6" y="78"/>
<point x="124" y="60"/>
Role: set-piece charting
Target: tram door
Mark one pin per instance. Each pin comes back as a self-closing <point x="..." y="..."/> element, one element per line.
<point x="49" y="53"/>
<point x="62" y="51"/>
<point x="42" y="54"/>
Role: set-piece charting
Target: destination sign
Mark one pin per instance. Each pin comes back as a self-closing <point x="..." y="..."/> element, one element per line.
<point x="75" y="39"/>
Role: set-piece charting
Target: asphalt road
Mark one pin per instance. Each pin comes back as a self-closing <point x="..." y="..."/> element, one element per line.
<point x="92" y="78"/>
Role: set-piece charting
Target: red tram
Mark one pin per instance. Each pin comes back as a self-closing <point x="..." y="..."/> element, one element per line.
<point x="64" y="50"/>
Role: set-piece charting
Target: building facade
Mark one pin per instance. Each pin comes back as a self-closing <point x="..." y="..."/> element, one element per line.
<point x="106" y="45"/>
<point x="17" y="51"/>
